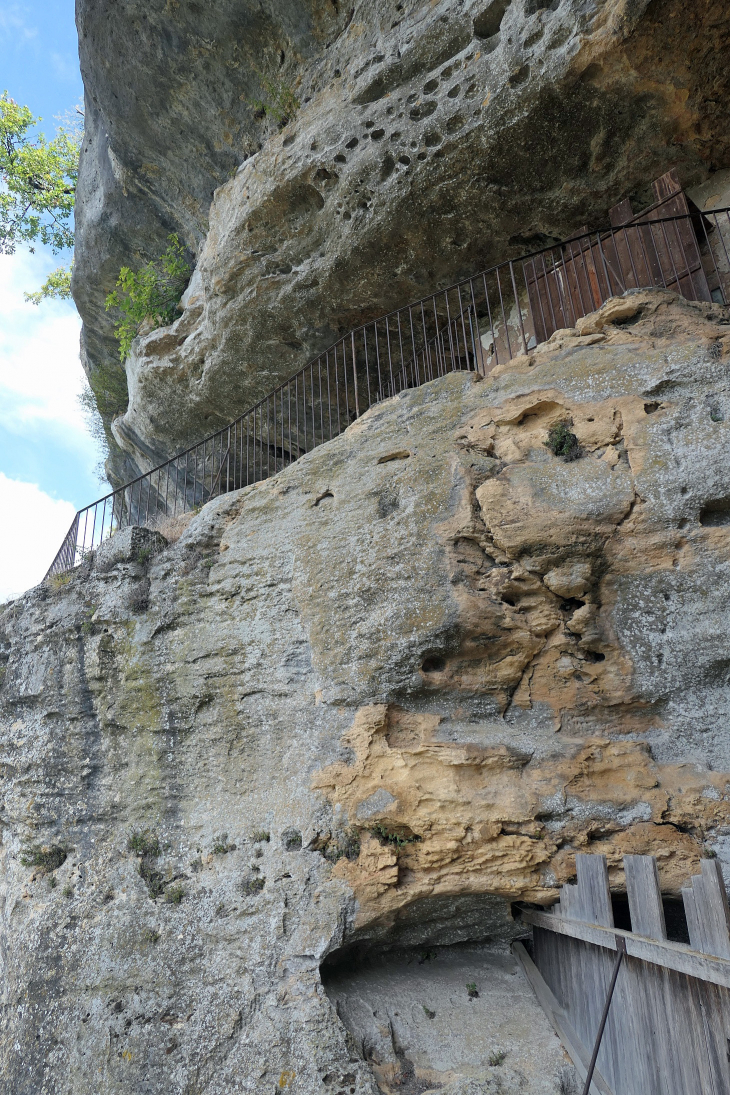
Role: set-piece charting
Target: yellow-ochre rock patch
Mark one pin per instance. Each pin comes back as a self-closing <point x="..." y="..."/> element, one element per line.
<point x="474" y="819"/>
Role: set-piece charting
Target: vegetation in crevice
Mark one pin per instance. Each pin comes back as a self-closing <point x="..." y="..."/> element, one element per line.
<point x="152" y="879"/>
<point x="221" y="845"/>
<point x="145" y="845"/>
<point x="278" y="101"/>
<point x="251" y="886"/>
<point x="390" y="836"/>
<point x="151" y="293"/>
<point x="174" y="894"/>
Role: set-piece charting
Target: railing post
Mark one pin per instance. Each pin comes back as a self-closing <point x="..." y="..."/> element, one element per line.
<point x="354" y="376"/>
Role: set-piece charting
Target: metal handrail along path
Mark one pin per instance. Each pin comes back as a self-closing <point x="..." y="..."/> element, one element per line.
<point x="474" y="324"/>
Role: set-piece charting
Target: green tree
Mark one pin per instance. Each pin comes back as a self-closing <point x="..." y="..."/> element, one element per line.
<point x="150" y="293"/>
<point x="38" y="188"/>
<point x="57" y="284"/>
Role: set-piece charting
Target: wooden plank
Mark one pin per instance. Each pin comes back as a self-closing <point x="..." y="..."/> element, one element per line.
<point x="621" y="213"/>
<point x="570" y="905"/>
<point x="713" y="911"/>
<point x="593" y="890"/>
<point x="694" y="927"/>
<point x="716" y="1013"/>
<point x="666" y="185"/>
<point x="578" y="1052"/>
<point x="645" y="898"/>
<point x="681" y="1070"/>
<point x="673" y="956"/>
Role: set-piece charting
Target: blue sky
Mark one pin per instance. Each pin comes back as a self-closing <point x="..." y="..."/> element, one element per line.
<point x="39" y="63"/>
<point x="47" y="458"/>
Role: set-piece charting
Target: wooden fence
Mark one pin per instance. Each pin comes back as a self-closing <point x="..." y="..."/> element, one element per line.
<point x="668" y="1028"/>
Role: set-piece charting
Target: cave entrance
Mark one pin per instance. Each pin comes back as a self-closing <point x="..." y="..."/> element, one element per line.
<point x="433" y="1000"/>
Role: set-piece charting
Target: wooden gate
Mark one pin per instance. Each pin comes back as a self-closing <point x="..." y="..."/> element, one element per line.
<point x="658" y="252"/>
<point x="668" y="1028"/>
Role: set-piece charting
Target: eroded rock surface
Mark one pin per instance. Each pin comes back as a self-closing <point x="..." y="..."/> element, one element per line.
<point x="370" y="703"/>
<point x="432" y="140"/>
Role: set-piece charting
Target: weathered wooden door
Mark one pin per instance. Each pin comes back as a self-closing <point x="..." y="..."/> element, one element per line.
<point x="661" y="251"/>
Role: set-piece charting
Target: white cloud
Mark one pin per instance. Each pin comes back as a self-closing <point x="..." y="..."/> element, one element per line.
<point x="40" y="382"/>
<point x="40" y="371"/>
<point x="13" y="24"/>
<point x="34" y="525"/>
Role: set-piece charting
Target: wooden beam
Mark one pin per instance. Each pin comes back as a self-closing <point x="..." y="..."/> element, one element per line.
<point x="561" y="1024"/>
<point x="673" y="956"/>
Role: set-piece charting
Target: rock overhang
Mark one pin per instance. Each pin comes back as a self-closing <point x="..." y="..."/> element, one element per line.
<point x="337" y="218"/>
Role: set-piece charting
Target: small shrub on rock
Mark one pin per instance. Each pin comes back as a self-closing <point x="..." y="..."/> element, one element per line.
<point x="279" y="101"/>
<point x="46" y="858"/>
<point x="143" y="842"/>
<point x="221" y="845"/>
<point x="562" y="441"/>
<point x="139" y="597"/>
<point x="152" y="879"/>
<point x="292" y="840"/>
<point x="251" y="886"/>
<point x="343" y="845"/>
<point x="389" y="836"/>
<point x="58" y="581"/>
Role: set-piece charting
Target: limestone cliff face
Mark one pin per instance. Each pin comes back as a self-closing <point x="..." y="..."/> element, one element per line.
<point x="432" y="139"/>
<point x="371" y="701"/>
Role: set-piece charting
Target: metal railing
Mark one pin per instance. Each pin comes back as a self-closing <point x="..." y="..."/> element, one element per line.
<point x="475" y="324"/>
